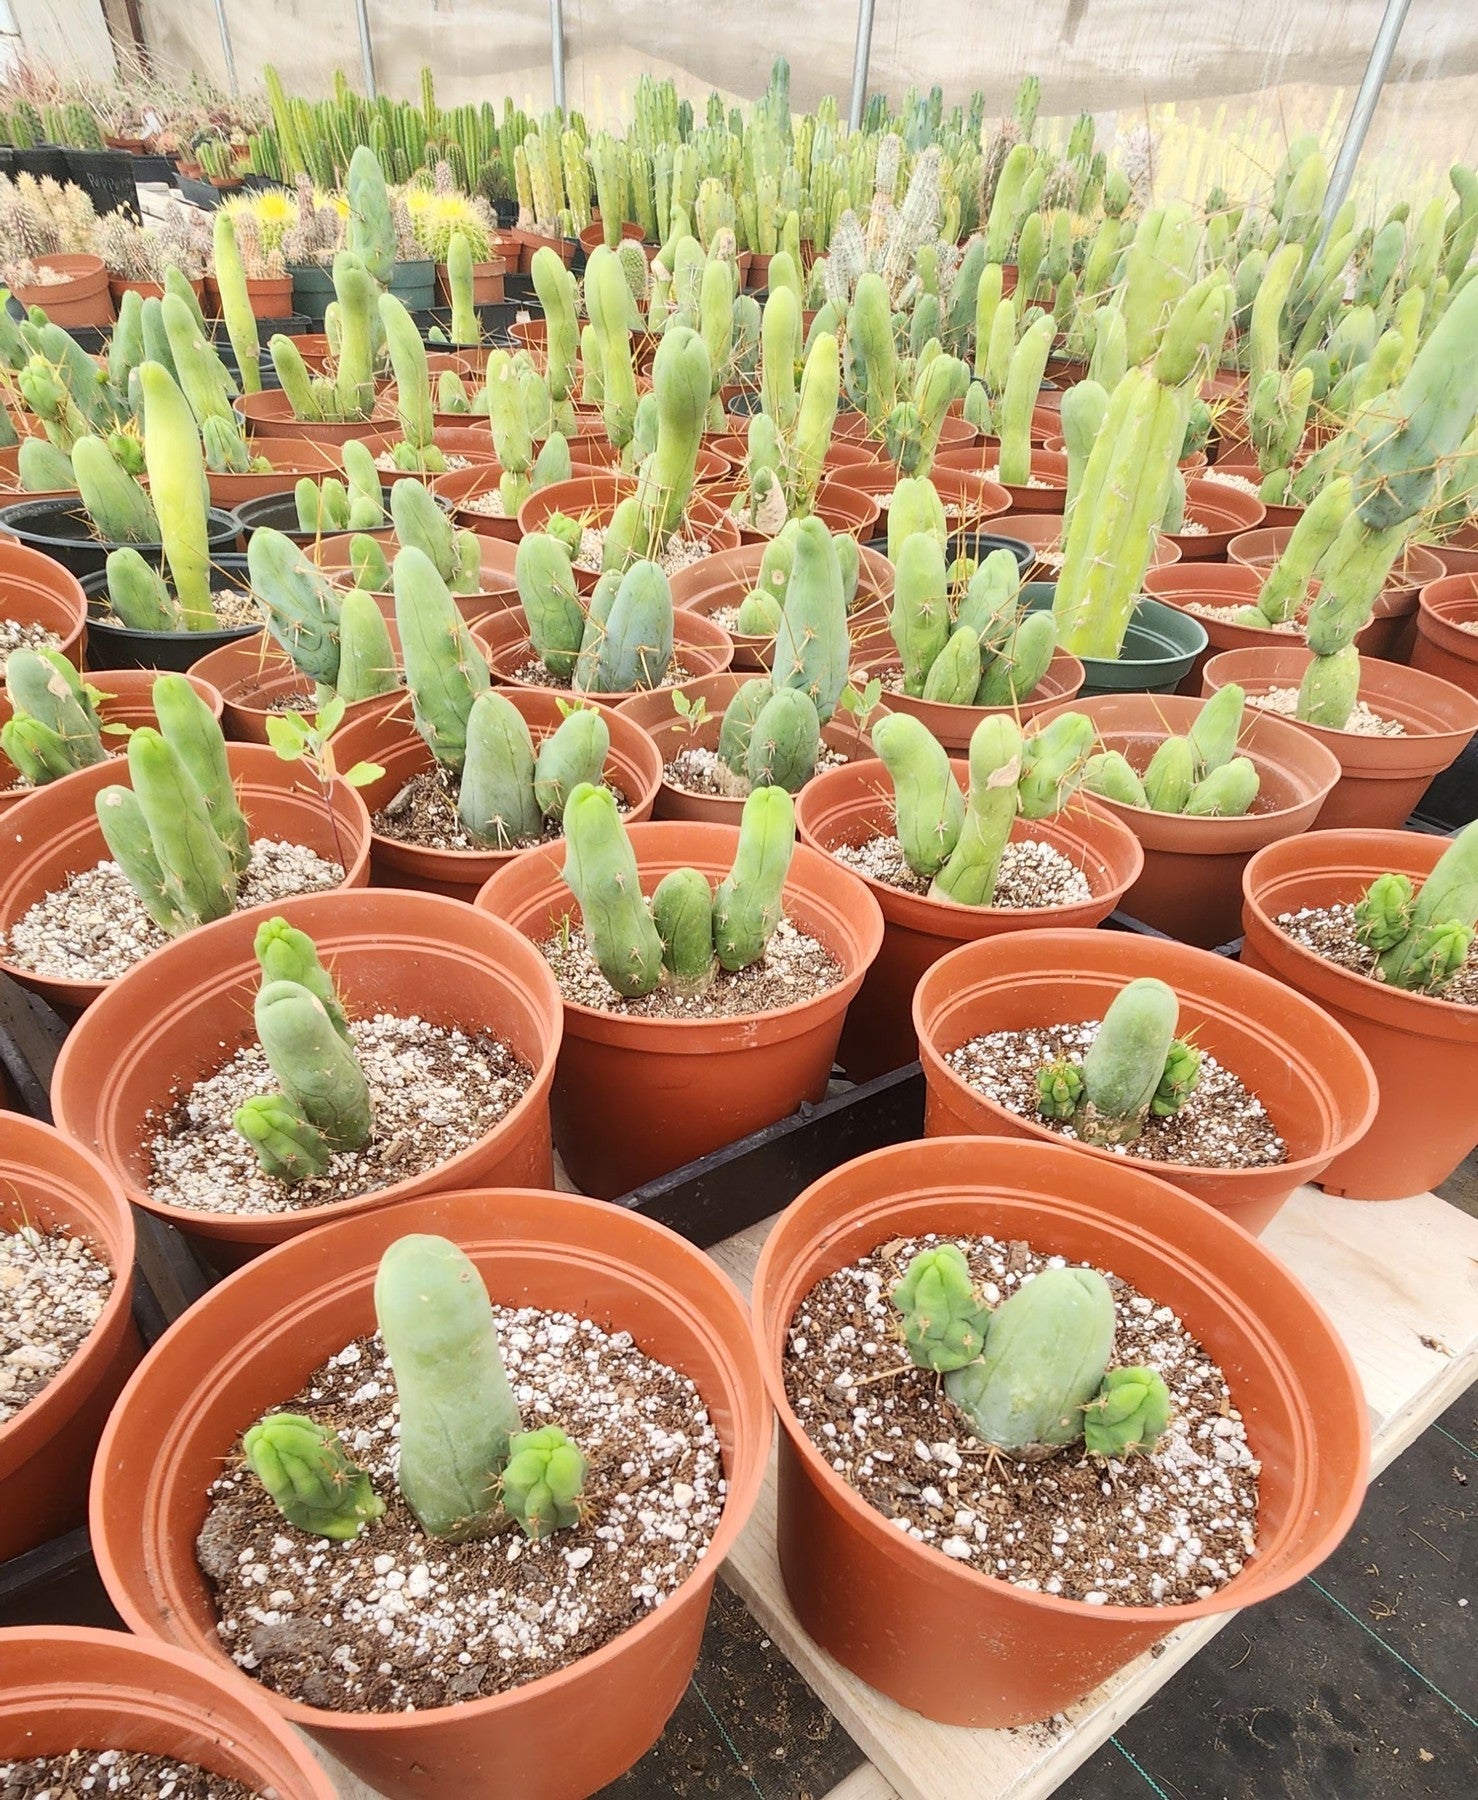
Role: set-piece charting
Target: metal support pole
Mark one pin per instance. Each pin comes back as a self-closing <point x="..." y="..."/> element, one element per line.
<point x="860" y="58"/>
<point x="366" y="48"/>
<point x="1376" y="70"/>
<point x="227" y="49"/>
<point x="557" y="50"/>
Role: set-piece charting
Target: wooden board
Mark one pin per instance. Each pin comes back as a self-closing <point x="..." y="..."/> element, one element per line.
<point x="1399" y="1279"/>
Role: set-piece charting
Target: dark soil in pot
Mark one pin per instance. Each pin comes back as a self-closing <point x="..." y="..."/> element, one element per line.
<point x="110" y="1771"/>
<point x="1167" y="1527"/>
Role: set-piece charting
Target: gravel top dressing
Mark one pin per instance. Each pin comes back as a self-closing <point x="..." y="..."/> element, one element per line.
<point x="450" y="459"/>
<point x="1219" y="1125"/>
<point x="396" y="1621"/>
<point x="424" y="813"/>
<point x="53" y="1289"/>
<point x="993" y="473"/>
<point x="233" y="607"/>
<point x="1032" y="874"/>
<point x="1164" y="1528"/>
<point x="793" y="968"/>
<point x="1228" y="615"/>
<point x="533" y="674"/>
<point x="681" y="552"/>
<point x="1227" y="479"/>
<point x="23" y="634"/>
<point x="91" y="1774"/>
<point x="1329" y="931"/>
<point x="435" y="1091"/>
<point x="699" y="771"/>
<point x="95" y="928"/>
<point x="1362" y="721"/>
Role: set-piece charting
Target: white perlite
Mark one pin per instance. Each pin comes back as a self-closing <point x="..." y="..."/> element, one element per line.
<point x="96" y="929"/>
<point x="53" y="1289"/>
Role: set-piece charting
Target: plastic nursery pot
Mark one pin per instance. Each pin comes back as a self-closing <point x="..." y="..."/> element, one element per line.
<point x="658" y="718"/>
<point x="1424" y="1050"/>
<point x="496" y="591"/>
<point x="277" y="510"/>
<point x="175" y="1018"/>
<point x="269" y="414"/>
<point x="1189" y="886"/>
<point x="1391" y="630"/>
<point x="1236" y="462"/>
<point x="61" y="529"/>
<point x="698" y="645"/>
<point x="594" y="499"/>
<point x="46" y="1448"/>
<point x="1458" y="552"/>
<point x="123" y="647"/>
<point x="459" y="486"/>
<point x="1223" y="511"/>
<point x="954" y="725"/>
<point x="256" y="679"/>
<point x="1382" y="778"/>
<point x="68" y="1688"/>
<point x="383" y="733"/>
<point x="1157" y="653"/>
<point x="635" y="1097"/>
<point x="291" y="459"/>
<point x="54" y="833"/>
<point x="35" y="589"/>
<point x="724" y="580"/>
<point x="1309" y="1073"/>
<point x="969" y="498"/>
<point x="251" y="1342"/>
<point x="1045" y="490"/>
<point x="874" y="1597"/>
<point x="128" y="700"/>
<point x="80" y="297"/>
<point x="853" y="804"/>
<point x="1447" y="631"/>
<point x="1042" y="532"/>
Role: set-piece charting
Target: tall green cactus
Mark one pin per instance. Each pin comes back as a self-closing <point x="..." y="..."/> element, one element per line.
<point x="600" y="870"/>
<point x="443" y="668"/>
<point x="747" y="902"/>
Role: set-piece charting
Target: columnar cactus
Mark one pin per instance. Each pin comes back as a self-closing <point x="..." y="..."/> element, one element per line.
<point x="1198" y="775"/>
<point x="1421" y="940"/>
<point x="421" y="524"/>
<point x="349" y="394"/>
<point x="315" y="1484"/>
<point x="339" y="641"/>
<point x="1135" y="1067"/>
<point x="543" y="1481"/>
<point x="457" y="1410"/>
<point x="1030" y="1378"/>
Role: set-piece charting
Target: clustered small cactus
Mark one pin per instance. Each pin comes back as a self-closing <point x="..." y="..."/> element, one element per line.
<point x="54" y="726"/>
<point x="467" y="1467"/>
<point x="1031" y="1377"/>
<point x="1134" y="1069"/>
<point x="1422" y="938"/>
<point x="1197" y="775"/>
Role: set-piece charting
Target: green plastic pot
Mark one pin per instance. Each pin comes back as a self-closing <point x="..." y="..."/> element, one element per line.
<point x="1160" y="647"/>
<point x="412" y="283"/>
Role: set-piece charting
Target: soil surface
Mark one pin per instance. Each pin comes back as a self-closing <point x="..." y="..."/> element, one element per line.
<point x="53" y="1289"/>
<point x="1362" y="722"/>
<point x="93" y="1774"/>
<point x="1329" y="931"/>
<point x="1032" y="874"/>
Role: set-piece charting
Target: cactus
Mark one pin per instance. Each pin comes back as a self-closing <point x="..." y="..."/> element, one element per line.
<point x="414" y="406"/>
<point x="920" y="619"/>
<point x="458" y="1415"/>
<point x="627" y="644"/>
<point x="53" y="728"/>
<point x="496" y="802"/>
<point x="682" y="910"/>
<point x="573" y="753"/>
<point x="118" y="505"/>
<point x="1130" y="1412"/>
<point x="284" y="953"/>
<point x="600" y="870"/>
<point x="543" y="1481"/>
<point x="236" y="307"/>
<point x="1198" y="775"/>
<point x="443" y="668"/>
<point x="682" y="380"/>
<point x="313" y="1482"/>
<point x="811" y="643"/>
<point x="551" y="603"/>
<point x="420" y="523"/>
<point x="928" y="804"/>
<point x="784" y="742"/>
<point x="1421" y="943"/>
<point x="746" y="904"/>
<point x="287" y="1147"/>
<point x="177" y="489"/>
<point x="943" y="1318"/>
<point x="315" y="1065"/>
<point x="969" y="876"/>
<point x="1134" y="1067"/>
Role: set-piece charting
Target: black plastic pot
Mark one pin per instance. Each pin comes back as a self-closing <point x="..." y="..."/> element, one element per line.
<point x="43" y="159"/>
<point x="113" y="646"/>
<point x="279" y="512"/>
<point x="520" y="290"/>
<point x="1159" y="648"/>
<point x="199" y="193"/>
<point x="147" y="167"/>
<point x="108" y="178"/>
<point x="980" y="544"/>
<point x="60" y="529"/>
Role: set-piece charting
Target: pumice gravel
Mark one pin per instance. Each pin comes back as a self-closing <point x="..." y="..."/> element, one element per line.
<point x="53" y="1288"/>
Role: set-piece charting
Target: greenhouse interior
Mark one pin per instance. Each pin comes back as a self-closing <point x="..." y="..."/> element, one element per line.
<point x="738" y="812"/>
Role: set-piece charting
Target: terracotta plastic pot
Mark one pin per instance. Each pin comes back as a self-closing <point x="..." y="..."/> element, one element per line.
<point x="1188" y="887"/>
<point x="487" y="282"/>
<point x="596" y="497"/>
<point x="855" y="803"/>
<point x="38" y="591"/>
<point x="1225" y="511"/>
<point x="954" y="725"/>
<point x="458" y="486"/>
<point x="970" y="499"/>
<point x="291" y="459"/>
<point x="1458" y="553"/>
<point x="1446" y="645"/>
<point x="726" y="578"/>
<point x="271" y="296"/>
<point x="249" y="1344"/>
<point x="1391" y="629"/>
<point x="183" y="1012"/>
<point x="80" y="298"/>
<point x="1382" y="778"/>
<point x="1307" y="1071"/>
<point x="699" y="645"/>
<point x="128" y="701"/>
<point x="383" y="733"/>
<point x="875" y="1597"/>
<point x="1424" y="1050"/>
<point x="54" y="833"/>
<point x="634" y="1098"/>
<point x="498" y="589"/>
<point x="46" y="1448"/>
<point x="269" y="414"/>
<point x="531" y="241"/>
<point x="254" y="675"/>
<point x="1048" y="470"/>
<point x="670" y="733"/>
<point x="69" y="1688"/>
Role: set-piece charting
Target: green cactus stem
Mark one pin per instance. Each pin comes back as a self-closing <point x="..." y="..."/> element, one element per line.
<point x="316" y="1067"/>
<point x="600" y="870"/>
<point x="544" y="1481"/>
<point x="928" y="804"/>
<point x="312" y="1480"/>
<point x="1134" y="1066"/>
<point x="747" y="903"/>
<point x="942" y="1316"/>
<point x="284" y="953"/>
<point x="1423" y="943"/>
<point x="287" y="1147"/>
